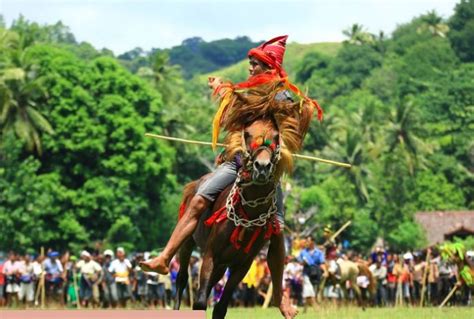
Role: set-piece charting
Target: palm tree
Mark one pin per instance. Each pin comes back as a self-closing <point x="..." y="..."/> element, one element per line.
<point x="434" y="24"/>
<point x="20" y="90"/>
<point x="349" y="144"/>
<point x="357" y="35"/>
<point x="402" y="133"/>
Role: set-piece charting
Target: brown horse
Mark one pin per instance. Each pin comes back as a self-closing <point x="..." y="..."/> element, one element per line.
<point x="244" y="214"/>
<point x="349" y="271"/>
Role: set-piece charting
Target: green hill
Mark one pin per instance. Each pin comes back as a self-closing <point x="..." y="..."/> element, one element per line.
<point x="294" y="54"/>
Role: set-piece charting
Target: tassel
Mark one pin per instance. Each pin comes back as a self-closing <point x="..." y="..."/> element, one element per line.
<point x="182" y="209"/>
<point x="235" y="236"/>
<point x="216" y="217"/>
<point x="216" y="123"/>
<point x="253" y="239"/>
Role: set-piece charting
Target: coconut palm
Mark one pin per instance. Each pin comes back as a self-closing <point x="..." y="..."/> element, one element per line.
<point x="434" y="24"/>
<point x="402" y="132"/>
<point x="20" y="90"/>
<point x="358" y="35"/>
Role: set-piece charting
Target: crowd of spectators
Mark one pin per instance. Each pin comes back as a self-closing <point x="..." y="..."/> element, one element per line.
<point x="109" y="279"/>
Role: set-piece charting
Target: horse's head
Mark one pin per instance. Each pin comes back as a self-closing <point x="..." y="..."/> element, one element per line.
<point x="261" y="150"/>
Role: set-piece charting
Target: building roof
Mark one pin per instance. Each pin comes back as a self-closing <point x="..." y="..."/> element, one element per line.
<point x="439" y="225"/>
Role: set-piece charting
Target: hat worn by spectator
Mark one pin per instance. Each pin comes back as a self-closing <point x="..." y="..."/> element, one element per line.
<point x="53" y="254"/>
<point x="121" y="250"/>
<point x="109" y="252"/>
<point x="85" y="253"/>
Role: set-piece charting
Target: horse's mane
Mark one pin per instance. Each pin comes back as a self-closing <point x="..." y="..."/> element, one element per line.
<point x="290" y="118"/>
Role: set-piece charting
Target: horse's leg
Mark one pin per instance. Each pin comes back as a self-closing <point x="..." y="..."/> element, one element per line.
<point x="182" y="280"/>
<point x="207" y="270"/>
<point x="276" y="262"/>
<point x="357" y="293"/>
<point x="218" y="273"/>
<point x="237" y="273"/>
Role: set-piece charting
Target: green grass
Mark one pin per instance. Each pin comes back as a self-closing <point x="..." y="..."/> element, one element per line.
<point x="355" y="313"/>
<point x="294" y="54"/>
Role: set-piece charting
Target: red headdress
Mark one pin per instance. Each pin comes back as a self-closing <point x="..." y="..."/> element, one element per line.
<point x="271" y="53"/>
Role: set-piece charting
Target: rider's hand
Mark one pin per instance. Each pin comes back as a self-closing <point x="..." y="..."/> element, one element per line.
<point x="214" y="82"/>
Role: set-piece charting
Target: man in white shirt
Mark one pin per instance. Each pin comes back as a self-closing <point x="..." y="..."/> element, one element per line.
<point x="91" y="276"/>
<point x="379" y="272"/>
<point x="121" y="268"/>
<point x="27" y="284"/>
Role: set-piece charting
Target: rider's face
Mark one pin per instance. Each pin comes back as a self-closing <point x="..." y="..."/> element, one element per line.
<point x="255" y="67"/>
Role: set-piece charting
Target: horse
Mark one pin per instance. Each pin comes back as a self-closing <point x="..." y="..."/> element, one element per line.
<point x="242" y="219"/>
<point x="349" y="271"/>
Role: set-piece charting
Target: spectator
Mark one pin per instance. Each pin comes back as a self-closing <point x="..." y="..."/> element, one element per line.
<point x="433" y="279"/>
<point x="140" y="284"/>
<point x="379" y="272"/>
<point x="2" y="285"/>
<point x="91" y="276"/>
<point x="121" y="268"/>
<point x="418" y="271"/>
<point x="27" y="282"/>
<point x="10" y="270"/>
<point x="72" y="279"/>
<point x="109" y="289"/>
<point x="293" y="276"/>
<point x="54" y="277"/>
<point x="392" y="260"/>
<point x="446" y="279"/>
<point x="252" y="280"/>
<point x="313" y="263"/>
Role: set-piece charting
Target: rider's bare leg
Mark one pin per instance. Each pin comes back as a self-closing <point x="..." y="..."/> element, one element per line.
<point x="185" y="227"/>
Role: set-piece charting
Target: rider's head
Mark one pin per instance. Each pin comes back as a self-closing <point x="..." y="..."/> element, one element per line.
<point x="327" y="232"/>
<point x="267" y="56"/>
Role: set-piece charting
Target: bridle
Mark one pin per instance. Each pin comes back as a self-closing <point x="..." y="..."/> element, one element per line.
<point x="248" y="158"/>
<point x="235" y="195"/>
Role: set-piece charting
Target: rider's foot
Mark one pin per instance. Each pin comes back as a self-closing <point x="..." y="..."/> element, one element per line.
<point x="157" y="264"/>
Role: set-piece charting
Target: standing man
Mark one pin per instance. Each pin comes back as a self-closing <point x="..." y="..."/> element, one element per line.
<point x="91" y="276"/>
<point x="379" y="271"/>
<point x="54" y="277"/>
<point x="27" y="282"/>
<point x="108" y="284"/>
<point x="313" y="264"/>
<point x="121" y="268"/>
<point x="10" y="270"/>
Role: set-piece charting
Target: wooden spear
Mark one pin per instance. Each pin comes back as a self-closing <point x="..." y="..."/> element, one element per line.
<point x="307" y="157"/>
<point x="425" y="274"/>
<point x="451" y="293"/>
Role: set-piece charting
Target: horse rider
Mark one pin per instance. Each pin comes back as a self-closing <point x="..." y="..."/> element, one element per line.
<point x="331" y="251"/>
<point x="266" y="58"/>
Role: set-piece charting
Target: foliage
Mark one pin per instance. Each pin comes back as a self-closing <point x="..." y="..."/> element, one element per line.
<point x="398" y="107"/>
<point x="461" y="32"/>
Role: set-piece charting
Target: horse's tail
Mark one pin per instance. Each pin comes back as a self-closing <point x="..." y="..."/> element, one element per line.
<point x="365" y="271"/>
<point x="188" y="193"/>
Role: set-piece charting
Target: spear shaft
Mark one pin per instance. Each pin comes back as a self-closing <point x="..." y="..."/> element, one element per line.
<point x="183" y="140"/>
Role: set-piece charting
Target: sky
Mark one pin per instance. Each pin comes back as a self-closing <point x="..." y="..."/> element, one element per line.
<point x="121" y="25"/>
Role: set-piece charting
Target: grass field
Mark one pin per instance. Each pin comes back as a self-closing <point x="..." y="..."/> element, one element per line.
<point x="356" y="313"/>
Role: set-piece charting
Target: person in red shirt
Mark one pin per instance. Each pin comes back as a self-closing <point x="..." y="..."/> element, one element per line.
<point x="2" y="286"/>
